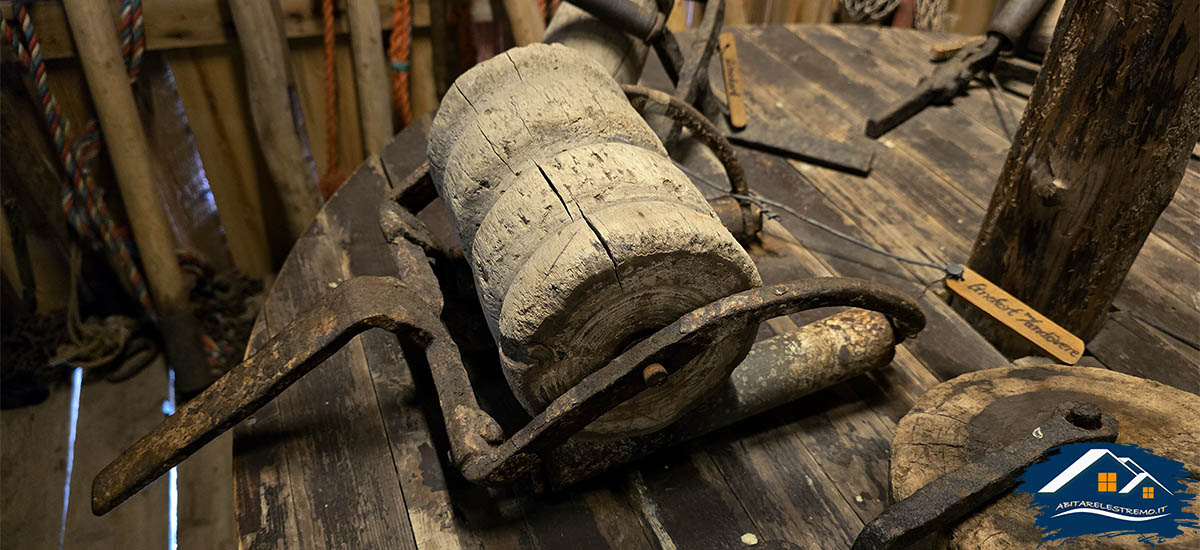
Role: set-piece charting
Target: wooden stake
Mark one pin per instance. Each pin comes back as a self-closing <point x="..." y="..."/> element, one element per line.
<point x="526" y="20"/>
<point x="268" y="82"/>
<point x="1098" y="156"/>
<point x="100" y="54"/>
<point x="374" y="103"/>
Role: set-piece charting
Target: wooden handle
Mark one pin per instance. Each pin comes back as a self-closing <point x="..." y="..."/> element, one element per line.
<point x="264" y="50"/>
<point x="374" y="104"/>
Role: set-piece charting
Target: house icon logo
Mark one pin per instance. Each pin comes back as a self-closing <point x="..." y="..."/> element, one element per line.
<point x="1109" y="489"/>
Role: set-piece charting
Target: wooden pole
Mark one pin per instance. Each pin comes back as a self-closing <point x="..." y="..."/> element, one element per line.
<point x="374" y="103"/>
<point x="100" y="54"/>
<point x="1100" y="152"/>
<point x="268" y="81"/>
<point x="526" y="20"/>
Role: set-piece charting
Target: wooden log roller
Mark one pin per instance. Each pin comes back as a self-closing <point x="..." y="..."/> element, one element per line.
<point x="582" y="234"/>
<point x="619" y="303"/>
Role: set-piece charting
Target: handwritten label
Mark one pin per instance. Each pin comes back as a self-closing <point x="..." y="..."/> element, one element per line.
<point x="1034" y="326"/>
<point x="733" y="81"/>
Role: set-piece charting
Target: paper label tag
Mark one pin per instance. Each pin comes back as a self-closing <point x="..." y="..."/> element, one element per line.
<point x="733" y="81"/>
<point x="1015" y="314"/>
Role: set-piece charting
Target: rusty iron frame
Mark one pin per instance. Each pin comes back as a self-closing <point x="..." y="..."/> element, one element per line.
<point x="477" y="443"/>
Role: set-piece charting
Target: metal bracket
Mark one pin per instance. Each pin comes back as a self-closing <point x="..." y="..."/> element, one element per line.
<point x="477" y="443"/>
<point x="958" y="493"/>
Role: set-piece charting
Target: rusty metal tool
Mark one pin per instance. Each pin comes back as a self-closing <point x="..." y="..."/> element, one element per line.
<point x="353" y="307"/>
<point x="793" y="140"/>
<point x="689" y="73"/>
<point x="951" y="78"/>
<point x="958" y="493"/>
<point x="477" y="444"/>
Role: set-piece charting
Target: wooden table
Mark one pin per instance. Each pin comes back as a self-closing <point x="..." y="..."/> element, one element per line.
<point x="353" y="456"/>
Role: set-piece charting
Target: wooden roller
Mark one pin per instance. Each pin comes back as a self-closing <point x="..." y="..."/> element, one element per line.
<point x="621" y="54"/>
<point x="582" y="234"/>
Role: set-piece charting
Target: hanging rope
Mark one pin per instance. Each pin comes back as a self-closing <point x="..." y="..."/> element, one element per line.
<point x="398" y="53"/>
<point x="82" y="200"/>
<point x="333" y="177"/>
<point x="133" y="36"/>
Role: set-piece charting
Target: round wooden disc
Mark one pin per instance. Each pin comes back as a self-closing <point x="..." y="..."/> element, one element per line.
<point x="963" y="419"/>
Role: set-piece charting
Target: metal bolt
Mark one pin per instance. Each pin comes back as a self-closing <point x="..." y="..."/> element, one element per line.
<point x="654" y="374"/>
<point x="1084" y="415"/>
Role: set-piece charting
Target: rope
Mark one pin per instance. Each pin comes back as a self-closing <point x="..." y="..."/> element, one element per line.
<point x="869" y="10"/>
<point x="333" y="177"/>
<point x="91" y="343"/>
<point x="82" y="200"/>
<point x="133" y="36"/>
<point x="398" y="53"/>
<point x="930" y="15"/>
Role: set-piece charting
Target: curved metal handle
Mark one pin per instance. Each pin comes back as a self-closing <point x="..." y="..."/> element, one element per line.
<point x="673" y="346"/>
<point x="354" y="307"/>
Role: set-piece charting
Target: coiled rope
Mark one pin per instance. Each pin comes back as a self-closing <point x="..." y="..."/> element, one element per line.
<point x="398" y="54"/>
<point x="91" y="342"/>
<point x="82" y="200"/>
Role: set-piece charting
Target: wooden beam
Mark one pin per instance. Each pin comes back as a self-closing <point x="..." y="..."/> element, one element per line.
<point x="1099" y="154"/>
<point x="526" y="21"/>
<point x="189" y="23"/>
<point x="213" y="96"/>
<point x="374" y="101"/>
<point x="269" y="87"/>
<point x="131" y="158"/>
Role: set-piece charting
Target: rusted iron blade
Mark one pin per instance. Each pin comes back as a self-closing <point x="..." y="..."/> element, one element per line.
<point x="956" y="494"/>
<point x="353" y="307"/>
<point x="793" y="140"/>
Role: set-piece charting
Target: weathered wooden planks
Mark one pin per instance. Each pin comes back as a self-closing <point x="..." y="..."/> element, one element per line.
<point x="794" y="475"/>
<point x="176" y="24"/>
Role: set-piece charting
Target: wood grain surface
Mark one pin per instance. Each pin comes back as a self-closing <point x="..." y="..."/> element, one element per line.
<point x="355" y="455"/>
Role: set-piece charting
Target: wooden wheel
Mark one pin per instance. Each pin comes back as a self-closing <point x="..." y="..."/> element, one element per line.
<point x="961" y="420"/>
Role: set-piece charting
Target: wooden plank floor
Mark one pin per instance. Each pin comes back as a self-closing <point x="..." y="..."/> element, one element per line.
<point x="354" y="454"/>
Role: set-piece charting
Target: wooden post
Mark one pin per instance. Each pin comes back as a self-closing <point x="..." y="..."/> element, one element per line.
<point x="1100" y="152"/>
<point x="374" y="101"/>
<point x="526" y="20"/>
<point x="268" y="82"/>
<point x="100" y="54"/>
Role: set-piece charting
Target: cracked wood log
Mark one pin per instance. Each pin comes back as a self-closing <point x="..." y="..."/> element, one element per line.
<point x="582" y="234"/>
<point x="1098" y="156"/>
